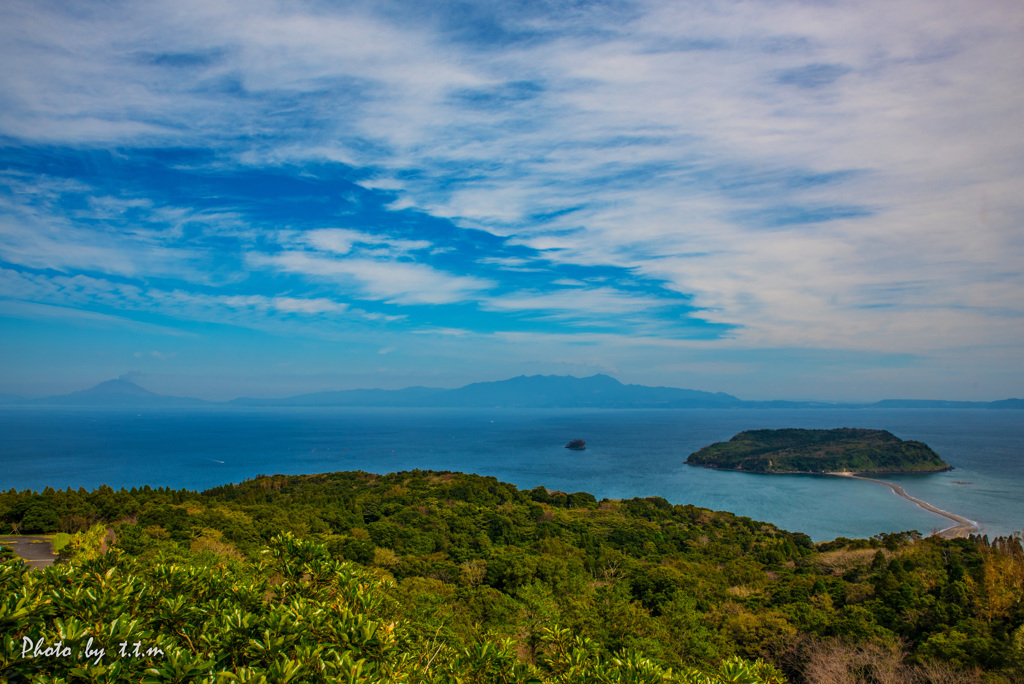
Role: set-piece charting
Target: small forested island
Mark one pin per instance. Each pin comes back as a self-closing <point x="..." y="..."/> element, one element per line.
<point x="576" y="445"/>
<point x="795" y="450"/>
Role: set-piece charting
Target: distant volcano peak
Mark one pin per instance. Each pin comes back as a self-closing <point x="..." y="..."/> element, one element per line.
<point x="118" y="386"/>
<point x="118" y="392"/>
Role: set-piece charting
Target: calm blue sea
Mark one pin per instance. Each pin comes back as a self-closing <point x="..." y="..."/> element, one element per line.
<point x="629" y="453"/>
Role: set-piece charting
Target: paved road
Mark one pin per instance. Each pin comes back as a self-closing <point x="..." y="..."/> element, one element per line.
<point x="37" y="551"/>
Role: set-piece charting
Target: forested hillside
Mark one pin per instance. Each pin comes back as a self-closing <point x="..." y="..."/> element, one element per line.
<point x="450" y="577"/>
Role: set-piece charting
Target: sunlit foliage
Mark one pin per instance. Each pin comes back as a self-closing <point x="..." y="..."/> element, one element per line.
<point x="471" y="579"/>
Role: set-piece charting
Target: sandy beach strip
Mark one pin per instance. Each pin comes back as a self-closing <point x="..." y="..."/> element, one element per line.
<point x="963" y="527"/>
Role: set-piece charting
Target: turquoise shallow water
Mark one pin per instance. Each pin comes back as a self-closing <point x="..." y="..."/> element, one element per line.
<point x="629" y="453"/>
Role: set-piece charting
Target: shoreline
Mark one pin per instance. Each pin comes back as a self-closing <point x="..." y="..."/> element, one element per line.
<point x="963" y="527"/>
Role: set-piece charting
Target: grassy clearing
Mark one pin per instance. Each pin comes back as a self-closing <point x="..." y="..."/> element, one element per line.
<point x="839" y="561"/>
<point x="60" y="540"/>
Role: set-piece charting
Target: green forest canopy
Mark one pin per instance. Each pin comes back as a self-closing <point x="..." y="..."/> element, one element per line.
<point x="481" y="581"/>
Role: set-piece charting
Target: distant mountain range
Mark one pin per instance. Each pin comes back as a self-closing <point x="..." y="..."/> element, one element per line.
<point x="115" y="393"/>
<point x="536" y="391"/>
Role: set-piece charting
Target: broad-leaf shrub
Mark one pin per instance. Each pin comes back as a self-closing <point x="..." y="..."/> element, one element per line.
<point x="295" y="615"/>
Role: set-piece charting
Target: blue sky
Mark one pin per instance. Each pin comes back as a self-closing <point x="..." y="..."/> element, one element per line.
<point x="772" y="199"/>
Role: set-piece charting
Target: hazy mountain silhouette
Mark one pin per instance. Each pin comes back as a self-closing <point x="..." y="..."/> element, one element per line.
<point x="596" y="391"/>
<point x="943" y="403"/>
<point x="410" y="396"/>
<point x="117" y="393"/>
<point x="535" y="391"/>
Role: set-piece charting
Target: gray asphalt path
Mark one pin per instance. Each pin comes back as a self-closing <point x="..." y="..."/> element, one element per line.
<point x="37" y="551"/>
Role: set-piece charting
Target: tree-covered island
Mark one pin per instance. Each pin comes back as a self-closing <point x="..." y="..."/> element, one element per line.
<point x="794" y="450"/>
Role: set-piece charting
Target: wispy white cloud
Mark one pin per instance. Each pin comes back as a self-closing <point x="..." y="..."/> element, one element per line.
<point x="447" y="332"/>
<point x="342" y="241"/>
<point x="125" y="236"/>
<point x="74" y="296"/>
<point x="504" y="261"/>
<point x="399" y="282"/>
<point x="650" y="141"/>
<point x="12" y="308"/>
<point x="604" y="301"/>
<point x="830" y="175"/>
<point x="156" y="354"/>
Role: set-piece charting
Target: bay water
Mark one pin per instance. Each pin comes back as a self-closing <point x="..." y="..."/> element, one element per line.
<point x="629" y="453"/>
